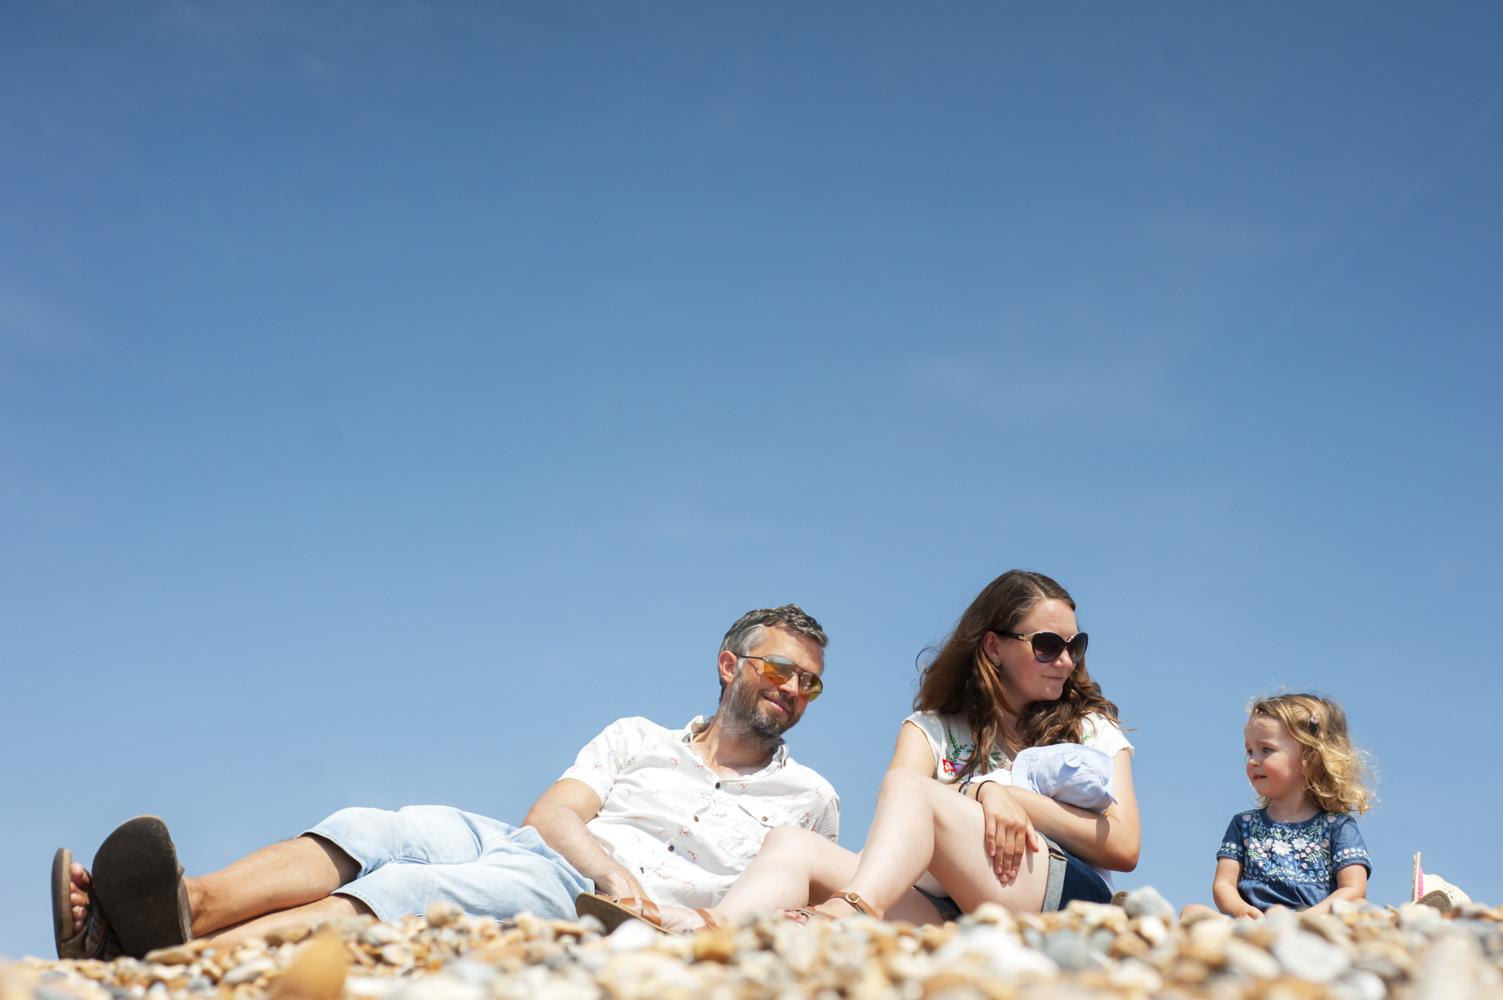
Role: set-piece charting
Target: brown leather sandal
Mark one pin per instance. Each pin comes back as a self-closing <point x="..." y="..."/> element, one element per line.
<point x="614" y="912"/>
<point x="851" y="899"/>
<point x="138" y="883"/>
<point x="96" y="939"/>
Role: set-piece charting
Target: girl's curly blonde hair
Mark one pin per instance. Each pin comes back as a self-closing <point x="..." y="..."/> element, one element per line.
<point x="1337" y="773"/>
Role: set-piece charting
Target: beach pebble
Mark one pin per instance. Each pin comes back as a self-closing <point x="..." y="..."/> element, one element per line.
<point x="1069" y="951"/>
<point x="442" y="914"/>
<point x="1136" y="977"/>
<point x="1248" y="961"/>
<point x="633" y="935"/>
<point x="397" y="954"/>
<point x="1001" y="954"/>
<point x="1358" y="985"/>
<point x="1085" y="951"/>
<point x="1147" y="902"/>
<point x="1306" y="956"/>
<point x="247" y="971"/>
<point x="180" y="954"/>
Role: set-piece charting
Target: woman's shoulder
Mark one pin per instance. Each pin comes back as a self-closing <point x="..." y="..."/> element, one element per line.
<point x="1101" y="733"/>
<point x="941" y="728"/>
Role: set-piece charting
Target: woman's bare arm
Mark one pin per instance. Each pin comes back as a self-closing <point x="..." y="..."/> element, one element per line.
<point x="1110" y="839"/>
<point x="913" y="751"/>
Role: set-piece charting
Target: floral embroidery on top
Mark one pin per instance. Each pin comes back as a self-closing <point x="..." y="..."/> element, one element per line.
<point x="1291" y="853"/>
<point x="958" y="753"/>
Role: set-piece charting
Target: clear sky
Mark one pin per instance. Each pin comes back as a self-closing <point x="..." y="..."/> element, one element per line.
<point x="393" y="394"/>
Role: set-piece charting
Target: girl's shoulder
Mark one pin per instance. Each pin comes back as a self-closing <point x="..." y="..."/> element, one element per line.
<point x="1337" y="821"/>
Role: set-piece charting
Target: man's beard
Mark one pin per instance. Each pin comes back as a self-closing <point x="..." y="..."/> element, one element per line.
<point x="742" y="719"/>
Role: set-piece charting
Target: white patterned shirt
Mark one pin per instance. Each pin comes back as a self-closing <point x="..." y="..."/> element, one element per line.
<point x="684" y="831"/>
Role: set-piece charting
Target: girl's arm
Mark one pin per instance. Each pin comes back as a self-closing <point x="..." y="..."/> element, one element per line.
<point x="1109" y="839"/>
<point x="1224" y="890"/>
<point x="1351" y="883"/>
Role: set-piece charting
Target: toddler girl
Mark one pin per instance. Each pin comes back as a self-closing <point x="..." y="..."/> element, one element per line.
<point x="1302" y="848"/>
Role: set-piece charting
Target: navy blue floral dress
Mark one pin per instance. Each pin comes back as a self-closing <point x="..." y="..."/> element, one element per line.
<point x="1291" y="863"/>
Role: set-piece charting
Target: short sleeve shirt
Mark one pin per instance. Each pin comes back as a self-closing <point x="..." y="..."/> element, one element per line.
<point x="951" y="740"/>
<point x="1291" y="863"/>
<point x="683" y="830"/>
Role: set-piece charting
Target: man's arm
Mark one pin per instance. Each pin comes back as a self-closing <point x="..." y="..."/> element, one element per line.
<point x="560" y="816"/>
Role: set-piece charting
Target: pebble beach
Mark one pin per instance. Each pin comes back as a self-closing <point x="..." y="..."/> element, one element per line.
<point x="1138" y="950"/>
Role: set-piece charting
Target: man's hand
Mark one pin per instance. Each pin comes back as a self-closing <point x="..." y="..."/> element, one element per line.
<point x="560" y="816"/>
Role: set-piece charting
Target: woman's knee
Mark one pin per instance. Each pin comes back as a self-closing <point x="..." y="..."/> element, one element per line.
<point x="907" y="786"/>
<point x="787" y="840"/>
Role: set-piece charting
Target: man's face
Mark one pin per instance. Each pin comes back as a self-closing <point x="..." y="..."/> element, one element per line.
<point x="761" y="703"/>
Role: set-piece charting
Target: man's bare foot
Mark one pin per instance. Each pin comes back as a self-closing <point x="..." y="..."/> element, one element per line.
<point x="78" y="895"/>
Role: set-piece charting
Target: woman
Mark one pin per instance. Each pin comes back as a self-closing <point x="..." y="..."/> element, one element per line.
<point x="1012" y="675"/>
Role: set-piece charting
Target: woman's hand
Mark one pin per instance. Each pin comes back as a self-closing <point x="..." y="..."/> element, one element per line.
<point x="1009" y="832"/>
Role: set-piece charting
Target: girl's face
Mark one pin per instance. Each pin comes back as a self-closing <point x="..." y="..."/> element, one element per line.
<point x="1024" y="679"/>
<point x="1273" y="760"/>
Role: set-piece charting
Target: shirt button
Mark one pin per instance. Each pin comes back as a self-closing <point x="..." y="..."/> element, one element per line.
<point x="670" y="847"/>
<point x="696" y="819"/>
<point x="717" y="784"/>
<point x="764" y="819"/>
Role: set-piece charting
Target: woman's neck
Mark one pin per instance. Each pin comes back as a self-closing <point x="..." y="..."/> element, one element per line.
<point x="1008" y="725"/>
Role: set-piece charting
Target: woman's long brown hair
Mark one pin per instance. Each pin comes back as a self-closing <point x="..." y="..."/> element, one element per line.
<point x="960" y="681"/>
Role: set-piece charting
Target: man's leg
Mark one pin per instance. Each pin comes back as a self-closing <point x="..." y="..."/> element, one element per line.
<point x="278" y="878"/>
<point x="285" y="875"/>
<point x="484" y="866"/>
<point x="328" y="908"/>
<point x="387" y="863"/>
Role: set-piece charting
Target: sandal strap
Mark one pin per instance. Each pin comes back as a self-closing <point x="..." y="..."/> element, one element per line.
<point x="860" y="905"/>
<point x="96" y="940"/>
<point x="710" y="918"/>
<point x="644" y="908"/>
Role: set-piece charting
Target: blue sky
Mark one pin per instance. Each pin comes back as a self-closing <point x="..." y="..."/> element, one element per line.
<point x="391" y="395"/>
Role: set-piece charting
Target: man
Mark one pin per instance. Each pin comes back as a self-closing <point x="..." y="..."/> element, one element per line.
<point x="645" y="812"/>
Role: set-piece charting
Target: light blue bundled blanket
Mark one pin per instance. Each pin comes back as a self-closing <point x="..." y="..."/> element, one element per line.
<point x="1066" y="772"/>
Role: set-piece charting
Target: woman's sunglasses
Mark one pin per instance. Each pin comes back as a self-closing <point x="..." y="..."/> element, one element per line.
<point x="778" y="670"/>
<point x="1048" y="645"/>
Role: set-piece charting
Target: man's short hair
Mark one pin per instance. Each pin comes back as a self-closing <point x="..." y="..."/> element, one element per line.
<point x="747" y="632"/>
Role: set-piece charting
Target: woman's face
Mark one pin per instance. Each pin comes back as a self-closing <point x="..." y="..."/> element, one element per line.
<point x="1024" y="679"/>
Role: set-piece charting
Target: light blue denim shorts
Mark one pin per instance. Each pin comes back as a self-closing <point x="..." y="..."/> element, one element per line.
<point x="420" y="855"/>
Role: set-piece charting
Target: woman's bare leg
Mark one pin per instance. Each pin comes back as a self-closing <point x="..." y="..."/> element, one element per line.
<point x="793" y="869"/>
<point x="920" y="825"/>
